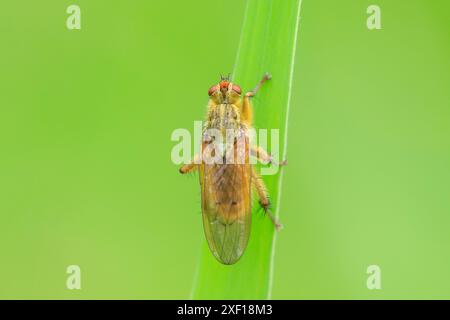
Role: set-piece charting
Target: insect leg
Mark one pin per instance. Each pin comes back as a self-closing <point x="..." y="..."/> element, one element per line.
<point x="263" y="156"/>
<point x="260" y="83"/>
<point x="190" y="167"/>
<point x="187" y="168"/>
<point x="263" y="196"/>
<point x="246" y="109"/>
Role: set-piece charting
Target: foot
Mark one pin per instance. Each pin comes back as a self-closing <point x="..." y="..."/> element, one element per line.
<point x="278" y="226"/>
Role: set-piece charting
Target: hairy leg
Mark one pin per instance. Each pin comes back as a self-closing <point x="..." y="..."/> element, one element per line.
<point x="263" y="196"/>
<point x="263" y="156"/>
<point x="187" y="168"/>
<point x="246" y="109"/>
<point x="191" y="167"/>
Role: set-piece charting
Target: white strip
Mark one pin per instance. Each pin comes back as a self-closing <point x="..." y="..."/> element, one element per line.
<point x="277" y="211"/>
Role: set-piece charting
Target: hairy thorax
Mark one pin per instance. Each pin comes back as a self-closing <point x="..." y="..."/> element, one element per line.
<point x="223" y="116"/>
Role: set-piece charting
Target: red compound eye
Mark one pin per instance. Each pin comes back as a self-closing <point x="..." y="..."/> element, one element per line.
<point x="212" y="90"/>
<point x="236" y="89"/>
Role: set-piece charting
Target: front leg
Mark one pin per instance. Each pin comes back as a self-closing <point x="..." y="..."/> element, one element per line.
<point x="246" y="109"/>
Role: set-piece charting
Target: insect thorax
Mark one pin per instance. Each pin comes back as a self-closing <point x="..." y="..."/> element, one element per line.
<point x="223" y="117"/>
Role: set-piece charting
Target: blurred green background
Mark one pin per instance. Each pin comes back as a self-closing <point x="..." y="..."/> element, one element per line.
<point x="86" y="175"/>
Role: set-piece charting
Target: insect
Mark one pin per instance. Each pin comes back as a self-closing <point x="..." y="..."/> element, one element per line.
<point x="226" y="186"/>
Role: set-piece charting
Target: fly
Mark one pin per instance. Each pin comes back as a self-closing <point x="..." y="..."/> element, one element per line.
<point x="226" y="184"/>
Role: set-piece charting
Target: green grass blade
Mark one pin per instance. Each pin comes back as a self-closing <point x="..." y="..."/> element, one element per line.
<point x="267" y="44"/>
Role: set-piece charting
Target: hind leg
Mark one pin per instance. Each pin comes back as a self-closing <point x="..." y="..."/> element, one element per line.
<point x="263" y="196"/>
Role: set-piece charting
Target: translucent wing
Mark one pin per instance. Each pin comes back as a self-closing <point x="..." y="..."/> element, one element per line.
<point x="226" y="209"/>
